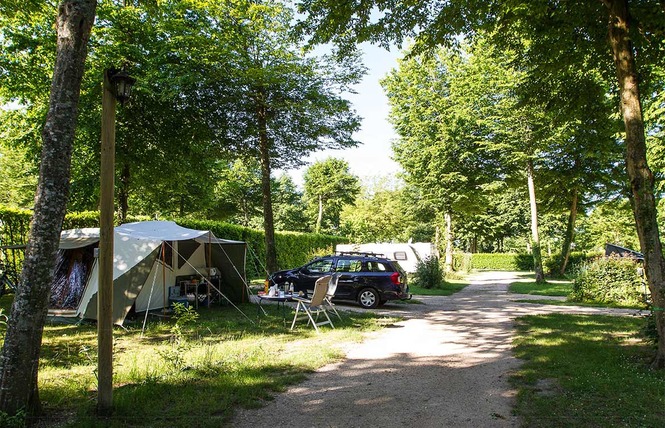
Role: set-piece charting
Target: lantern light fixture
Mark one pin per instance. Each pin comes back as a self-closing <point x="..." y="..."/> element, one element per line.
<point x="122" y="84"/>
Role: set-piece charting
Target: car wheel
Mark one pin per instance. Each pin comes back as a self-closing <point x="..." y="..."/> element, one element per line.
<point x="368" y="298"/>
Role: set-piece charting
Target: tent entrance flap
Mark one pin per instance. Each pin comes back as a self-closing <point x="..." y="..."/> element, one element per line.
<point x="72" y="271"/>
<point x="125" y="289"/>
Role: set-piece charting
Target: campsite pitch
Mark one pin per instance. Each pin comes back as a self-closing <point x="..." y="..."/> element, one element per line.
<point x="446" y="364"/>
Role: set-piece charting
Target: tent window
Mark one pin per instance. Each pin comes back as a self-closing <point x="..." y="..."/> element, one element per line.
<point x="166" y="254"/>
<point x="185" y="251"/>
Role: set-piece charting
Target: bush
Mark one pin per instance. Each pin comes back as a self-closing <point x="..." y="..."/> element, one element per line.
<point x="428" y="273"/>
<point x="552" y="263"/>
<point x="462" y="262"/>
<point x="612" y="280"/>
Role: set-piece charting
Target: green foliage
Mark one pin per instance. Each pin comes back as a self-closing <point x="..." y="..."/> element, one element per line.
<point x="202" y="69"/>
<point x="329" y="185"/>
<point x="612" y="280"/>
<point x="18" y="177"/>
<point x="19" y="420"/>
<point x="495" y="261"/>
<point x="428" y="273"/>
<point x="381" y="213"/>
<point x="610" y="222"/>
<point x="293" y="248"/>
<point x="552" y="263"/>
<point x="462" y="262"/>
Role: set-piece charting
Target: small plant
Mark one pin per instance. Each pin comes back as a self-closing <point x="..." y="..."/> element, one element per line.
<point x="16" y="421"/>
<point x="183" y="315"/>
<point x="429" y="273"/>
<point x="175" y="355"/>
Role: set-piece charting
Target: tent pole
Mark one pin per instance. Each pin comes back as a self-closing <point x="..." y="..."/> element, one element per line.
<point x="209" y="264"/>
<point x="164" y="277"/>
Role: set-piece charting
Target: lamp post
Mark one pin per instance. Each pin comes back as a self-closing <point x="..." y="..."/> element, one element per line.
<point x="117" y="86"/>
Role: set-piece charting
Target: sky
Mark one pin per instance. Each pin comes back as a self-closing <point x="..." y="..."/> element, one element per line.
<point x="372" y="158"/>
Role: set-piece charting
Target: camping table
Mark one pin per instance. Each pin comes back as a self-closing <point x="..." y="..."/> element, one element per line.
<point x="279" y="299"/>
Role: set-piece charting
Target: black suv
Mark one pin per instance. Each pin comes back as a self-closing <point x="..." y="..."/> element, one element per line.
<point x="370" y="279"/>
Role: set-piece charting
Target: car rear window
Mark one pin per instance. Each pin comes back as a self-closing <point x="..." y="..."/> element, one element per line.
<point x="375" y="266"/>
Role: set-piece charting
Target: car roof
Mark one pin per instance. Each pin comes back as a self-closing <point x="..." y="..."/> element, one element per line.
<point x="357" y="255"/>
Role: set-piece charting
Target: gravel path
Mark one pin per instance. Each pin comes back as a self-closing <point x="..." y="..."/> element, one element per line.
<point x="446" y="365"/>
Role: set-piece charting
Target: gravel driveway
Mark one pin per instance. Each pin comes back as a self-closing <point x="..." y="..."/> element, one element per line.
<point x="445" y="365"/>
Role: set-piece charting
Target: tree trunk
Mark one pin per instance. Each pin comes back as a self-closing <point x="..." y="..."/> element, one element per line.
<point x="319" y="218"/>
<point x="268" y="218"/>
<point x="641" y="178"/>
<point x="570" y="233"/>
<point x="448" y="264"/>
<point x="535" y="239"/>
<point x="20" y="355"/>
<point x="123" y="192"/>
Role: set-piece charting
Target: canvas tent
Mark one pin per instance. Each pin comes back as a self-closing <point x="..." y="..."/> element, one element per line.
<point x="149" y="257"/>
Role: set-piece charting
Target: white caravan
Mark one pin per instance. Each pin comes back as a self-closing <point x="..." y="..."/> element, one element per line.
<point x="406" y="254"/>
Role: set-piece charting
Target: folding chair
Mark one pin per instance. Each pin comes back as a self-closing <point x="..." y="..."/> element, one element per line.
<point x="314" y="305"/>
<point x="332" y="287"/>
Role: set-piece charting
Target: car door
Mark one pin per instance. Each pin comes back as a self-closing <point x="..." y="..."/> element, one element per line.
<point x="347" y="283"/>
<point x="311" y="272"/>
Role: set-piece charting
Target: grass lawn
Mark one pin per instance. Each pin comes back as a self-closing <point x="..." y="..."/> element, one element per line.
<point x="558" y="287"/>
<point x="195" y="377"/>
<point x="451" y="286"/>
<point x="586" y="371"/>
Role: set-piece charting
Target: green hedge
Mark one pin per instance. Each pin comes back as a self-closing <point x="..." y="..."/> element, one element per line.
<point x="293" y="249"/>
<point x="463" y="262"/>
<point x="496" y="261"/>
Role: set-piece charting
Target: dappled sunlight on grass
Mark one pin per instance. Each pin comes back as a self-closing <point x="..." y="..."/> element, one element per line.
<point x="195" y="378"/>
<point x="586" y="360"/>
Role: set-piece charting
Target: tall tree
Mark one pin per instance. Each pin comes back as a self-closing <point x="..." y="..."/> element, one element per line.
<point x="329" y="185"/>
<point x="290" y="104"/>
<point x="379" y="214"/>
<point x="436" y="22"/>
<point x="20" y="354"/>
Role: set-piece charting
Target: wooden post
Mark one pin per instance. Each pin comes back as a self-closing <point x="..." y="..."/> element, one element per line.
<point x="105" y="295"/>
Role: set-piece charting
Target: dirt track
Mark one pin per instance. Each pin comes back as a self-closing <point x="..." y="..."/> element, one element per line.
<point x="446" y="365"/>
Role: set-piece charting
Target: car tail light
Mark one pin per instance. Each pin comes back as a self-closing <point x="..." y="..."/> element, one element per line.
<point x="395" y="278"/>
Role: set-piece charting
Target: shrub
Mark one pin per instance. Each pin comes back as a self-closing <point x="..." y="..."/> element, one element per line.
<point x="612" y="280"/>
<point x="462" y="262"/>
<point x="576" y="259"/>
<point x="428" y="273"/>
